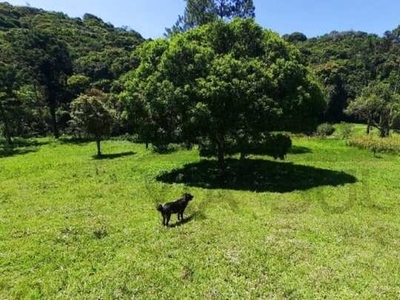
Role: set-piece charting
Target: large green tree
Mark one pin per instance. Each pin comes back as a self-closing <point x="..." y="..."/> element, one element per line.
<point x="225" y="86"/>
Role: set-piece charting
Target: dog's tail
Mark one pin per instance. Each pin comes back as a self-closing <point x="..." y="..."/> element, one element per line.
<point x="159" y="207"/>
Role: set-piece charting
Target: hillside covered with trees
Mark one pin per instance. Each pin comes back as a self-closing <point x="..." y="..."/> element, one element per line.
<point x="48" y="59"/>
<point x="347" y="62"/>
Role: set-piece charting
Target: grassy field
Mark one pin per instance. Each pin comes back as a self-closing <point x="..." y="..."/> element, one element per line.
<point x="323" y="224"/>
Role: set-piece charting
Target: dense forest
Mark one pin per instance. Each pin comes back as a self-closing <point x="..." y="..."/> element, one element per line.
<point x="49" y="59"/>
<point x="347" y="62"/>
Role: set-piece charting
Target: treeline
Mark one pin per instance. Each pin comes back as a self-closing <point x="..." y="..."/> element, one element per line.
<point x="47" y="59"/>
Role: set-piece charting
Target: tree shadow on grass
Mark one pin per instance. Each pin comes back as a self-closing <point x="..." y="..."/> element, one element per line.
<point x="299" y="150"/>
<point x="113" y="156"/>
<point x="19" y="142"/>
<point x="256" y="176"/>
<point x="20" y="146"/>
<point x="13" y="151"/>
<point x="76" y="140"/>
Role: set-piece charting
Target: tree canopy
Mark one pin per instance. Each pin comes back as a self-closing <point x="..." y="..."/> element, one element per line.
<point x="201" y="12"/>
<point x="225" y="86"/>
<point x="92" y="116"/>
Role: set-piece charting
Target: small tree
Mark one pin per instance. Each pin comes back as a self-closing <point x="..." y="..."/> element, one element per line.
<point x="379" y="105"/>
<point x="91" y="115"/>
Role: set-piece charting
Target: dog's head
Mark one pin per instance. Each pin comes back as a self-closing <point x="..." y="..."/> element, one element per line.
<point x="188" y="196"/>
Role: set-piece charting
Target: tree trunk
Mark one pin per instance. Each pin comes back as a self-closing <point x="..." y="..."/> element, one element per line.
<point x="221" y="157"/>
<point x="7" y="133"/>
<point x="98" y="147"/>
<point x="221" y="11"/>
<point x="384" y="131"/>
<point x="6" y="129"/>
<point x="221" y="162"/>
<point x="147" y="145"/>
<point x="242" y="156"/>
<point x="369" y="126"/>
<point x="54" y="119"/>
<point x="385" y="128"/>
<point x="387" y="131"/>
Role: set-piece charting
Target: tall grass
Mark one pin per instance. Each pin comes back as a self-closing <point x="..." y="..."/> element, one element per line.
<point x="376" y="144"/>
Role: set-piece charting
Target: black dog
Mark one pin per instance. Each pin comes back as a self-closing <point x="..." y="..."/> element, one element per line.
<point x="176" y="207"/>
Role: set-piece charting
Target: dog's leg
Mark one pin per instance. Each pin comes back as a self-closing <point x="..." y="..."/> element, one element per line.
<point x="168" y="217"/>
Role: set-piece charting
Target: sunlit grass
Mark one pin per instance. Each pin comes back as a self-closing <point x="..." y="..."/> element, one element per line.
<point x="72" y="226"/>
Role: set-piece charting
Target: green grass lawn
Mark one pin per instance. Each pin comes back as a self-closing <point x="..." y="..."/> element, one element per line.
<point x="323" y="224"/>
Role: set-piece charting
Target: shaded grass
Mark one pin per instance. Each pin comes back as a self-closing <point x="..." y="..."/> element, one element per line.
<point x="114" y="155"/>
<point x="185" y="220"/>
<point x="74" y="227"/>
<point x="12" y="151"/>
<point x="299" y="150"/>
<point x="20" y="146"/>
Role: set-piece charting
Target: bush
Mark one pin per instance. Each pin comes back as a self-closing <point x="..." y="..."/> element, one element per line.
<point x="325" y="130"/>
<point x="376" y="144"/>
<point x="276" y="145"/>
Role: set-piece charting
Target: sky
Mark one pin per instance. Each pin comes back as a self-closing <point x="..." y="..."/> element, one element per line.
<point x="312" y="17"/>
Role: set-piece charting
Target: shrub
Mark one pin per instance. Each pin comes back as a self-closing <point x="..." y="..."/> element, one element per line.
<point x="346" y="130"/>
<point x="276" y="145"/>
<point x="325" y="130"/>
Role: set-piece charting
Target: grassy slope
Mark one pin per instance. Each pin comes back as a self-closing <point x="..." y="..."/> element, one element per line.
<point x="72" y="226"/>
